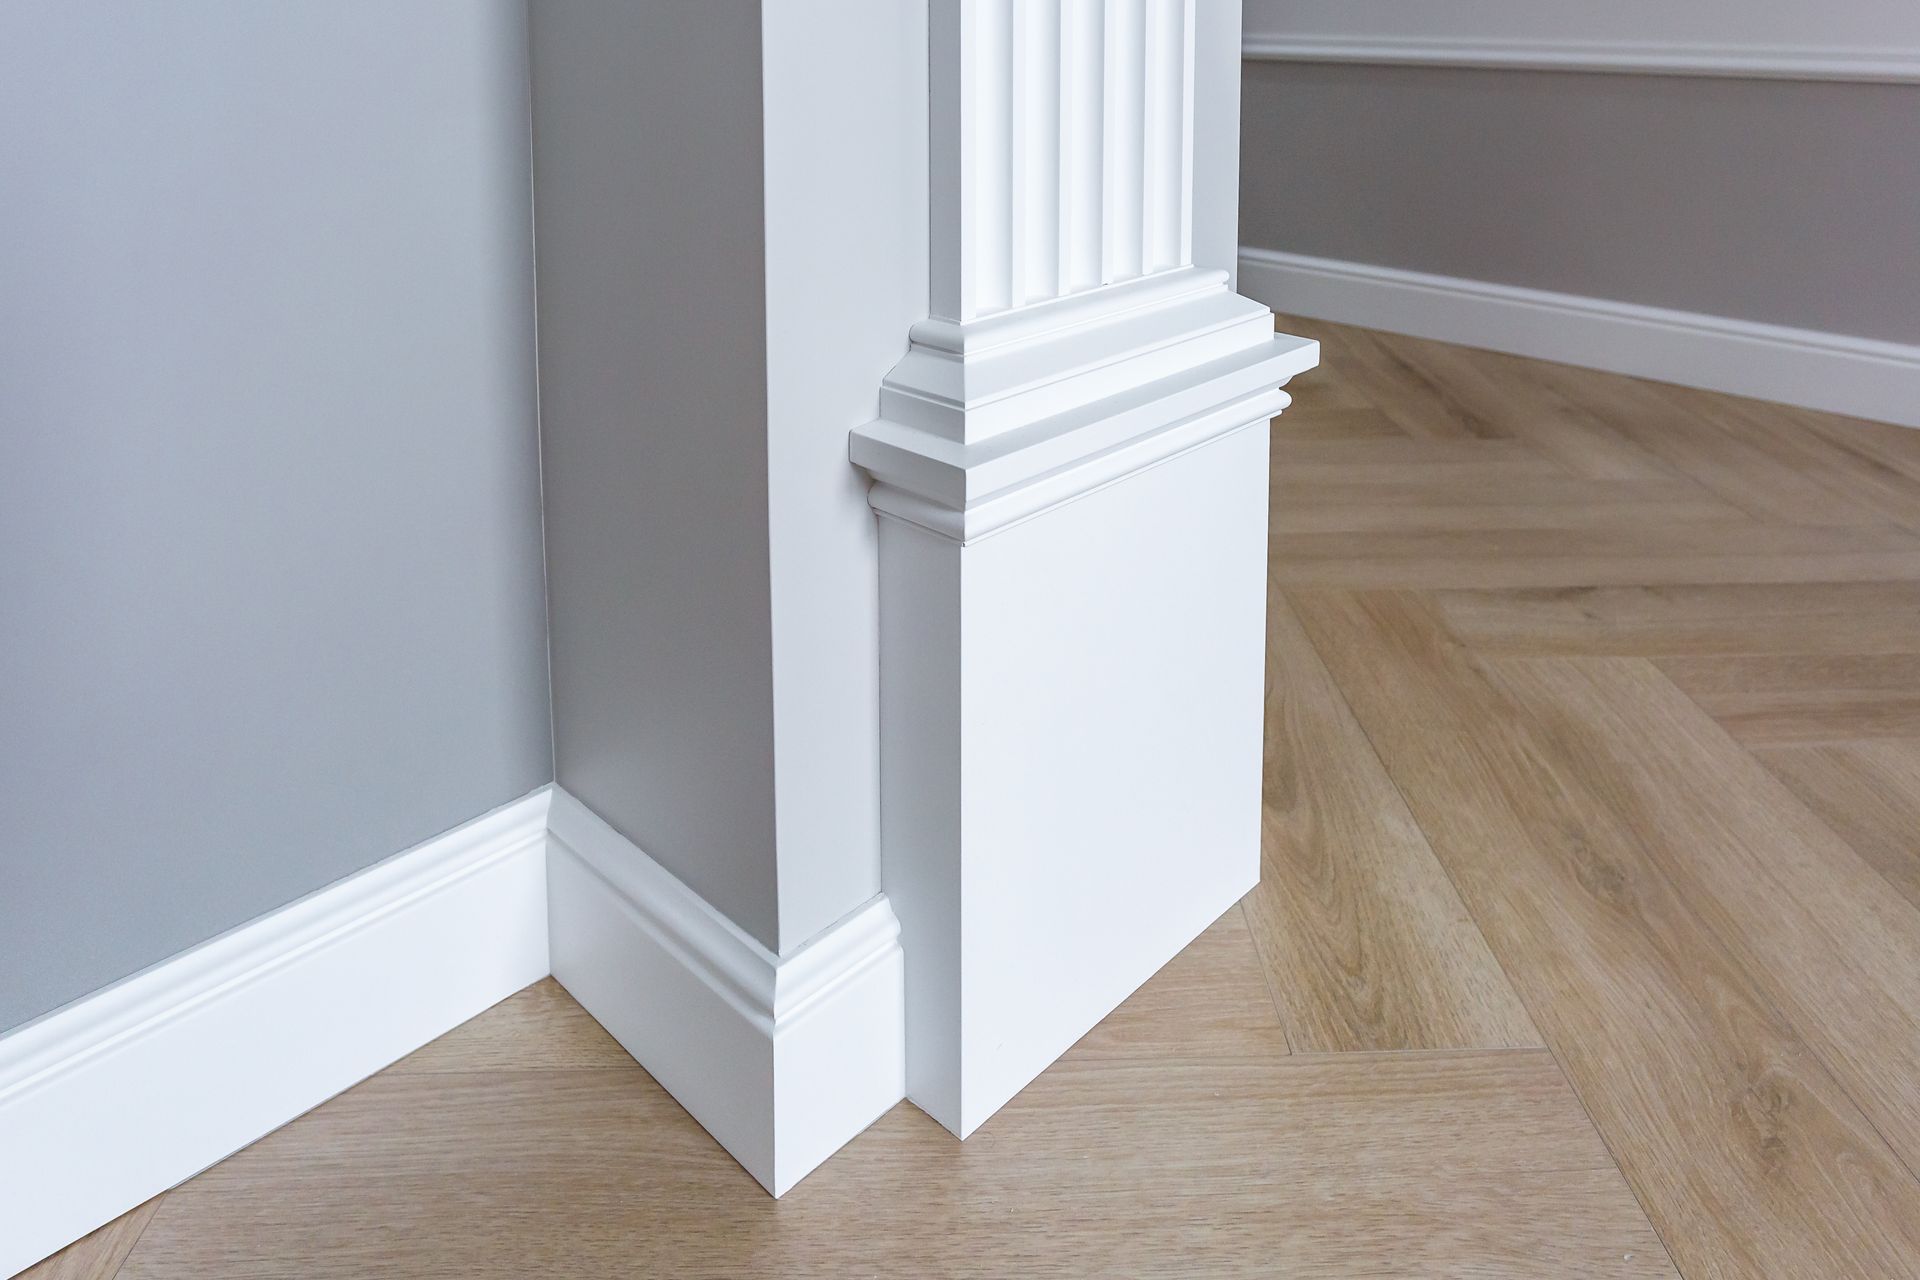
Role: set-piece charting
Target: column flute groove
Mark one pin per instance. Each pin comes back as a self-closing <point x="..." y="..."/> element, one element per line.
<point x="1125" y="112"/>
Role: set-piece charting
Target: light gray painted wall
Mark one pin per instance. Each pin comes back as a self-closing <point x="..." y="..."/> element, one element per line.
<point x="1794" y="203"/>
<point x="653" y="368"/>
<point x="270" y="579"/>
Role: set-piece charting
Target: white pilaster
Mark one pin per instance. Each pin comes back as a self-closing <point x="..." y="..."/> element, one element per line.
<point x="1070" y="467"/>
<point x="1067" y="161"/>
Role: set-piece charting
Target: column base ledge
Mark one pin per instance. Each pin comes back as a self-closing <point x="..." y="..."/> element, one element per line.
<point x="970" y="491"/>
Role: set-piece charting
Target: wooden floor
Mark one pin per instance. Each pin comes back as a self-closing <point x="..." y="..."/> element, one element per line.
<point x="1588" y="943"/>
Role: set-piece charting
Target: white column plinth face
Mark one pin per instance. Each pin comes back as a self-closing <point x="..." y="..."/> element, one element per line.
<point x="1072" y="757"/>
<point x="1070" y="466"/>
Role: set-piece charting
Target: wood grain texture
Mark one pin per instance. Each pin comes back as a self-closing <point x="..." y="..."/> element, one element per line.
<point x="1784" y="897"/>
<point x="1175" y="1141"/>
<point x="1787" y="699"/>
<point x="1745" y="472"/>
<point x="1496" y="391"/>
<point x="1803" y="618"/>
<point x="1610" y="557"/>
<point x="1868" y="481"/>
<point x="1386" y="369"/>
<point x="1389" y="458"/>
<point x="1748" y="1155"/>
<point x="1447" y="502"/>
<point x="100" y="1254"/>
<point x="540" y="1028"/>
<point x="1869" y="792"/>
<point x="1210" y="1001"/>
<point x="1368" y="942"/>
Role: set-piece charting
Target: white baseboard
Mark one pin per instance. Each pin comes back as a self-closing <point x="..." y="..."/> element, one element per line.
<point x="782" y="1059"/>
<point x="1862" y="377"/>
<point x="1885" y="65"/>
<point x="114" y="1099"/>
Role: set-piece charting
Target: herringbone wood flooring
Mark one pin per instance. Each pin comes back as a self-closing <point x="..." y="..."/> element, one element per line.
<point x="1588" y="942"/>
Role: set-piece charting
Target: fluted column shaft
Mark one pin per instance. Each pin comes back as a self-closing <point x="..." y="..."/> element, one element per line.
<point x="1062" y="148"/>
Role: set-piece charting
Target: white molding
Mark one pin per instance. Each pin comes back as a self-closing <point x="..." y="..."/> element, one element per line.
<point x="1862" y="377"/>
<point x="782" y="1059"/>
<point x="990" y="423"/>
<point x="121" y="1095"/>
<point x="1066" y="155"/>
<point x="1806" y="62"/>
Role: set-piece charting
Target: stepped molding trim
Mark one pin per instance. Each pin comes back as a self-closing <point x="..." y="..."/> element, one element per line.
<point x="128" y="1092"/>
<point x="987" y="424"/>
<point x="782" y="1059"/>
<point x="1782" y="62"/>
<point x="1837" y="373"/>
<point x="121" y="1095"/>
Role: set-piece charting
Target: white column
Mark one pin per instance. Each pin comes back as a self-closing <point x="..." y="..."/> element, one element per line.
<point x="1069" y="162"/>
<point x="1070" y="470"/>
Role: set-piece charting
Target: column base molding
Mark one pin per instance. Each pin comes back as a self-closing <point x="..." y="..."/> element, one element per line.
<point x="781" y="1059"/>
<point x="1012" y="415"/>
<point x="1072" y="601"/>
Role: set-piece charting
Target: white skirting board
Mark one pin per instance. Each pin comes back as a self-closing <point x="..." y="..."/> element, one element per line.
<point x="782" y="1059"/>
<point x="128" y="1092"/>
<point x="1862" y="377"/>
<point x="119" y="1096"/>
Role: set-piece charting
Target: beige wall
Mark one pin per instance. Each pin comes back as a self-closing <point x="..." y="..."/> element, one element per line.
<point x="1789" y="202"/>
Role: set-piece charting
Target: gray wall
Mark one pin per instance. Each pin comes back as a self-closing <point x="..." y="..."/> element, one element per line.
<point x="1794" y="203"/>
<point x="270" y="579"/>
<point x="653" y="384"/>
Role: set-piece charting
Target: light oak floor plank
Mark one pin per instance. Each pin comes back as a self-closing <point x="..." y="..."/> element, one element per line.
<point x="1790" y="902"/>
<point x="1364" y="939"/>
<point x="1479" y="558"/>
<point x="100" y="1254"/>
<point x="1864" y="478"/>
<point x="1317" y="509"/>
<point x="1869" y="792"/>
<point x="1390" y="459"/>
<point x="1560" y="428"/>
<point x="1788" y="699"/>
<point x="1211" y="1001"/>
<point x="1340" y="423"/>
<point x="1745" y="472"/>
<point x="1175" y="1141"/>
<point x="1381" y="366"/>
<point x="1748" y="1155"/>
<point x="1892" y="447"/>
<point x="1807" y="618"/>
<point x="540" y="1028"/>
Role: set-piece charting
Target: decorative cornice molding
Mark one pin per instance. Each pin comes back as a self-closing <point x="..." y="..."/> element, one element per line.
<point x="1809" y="62"/>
